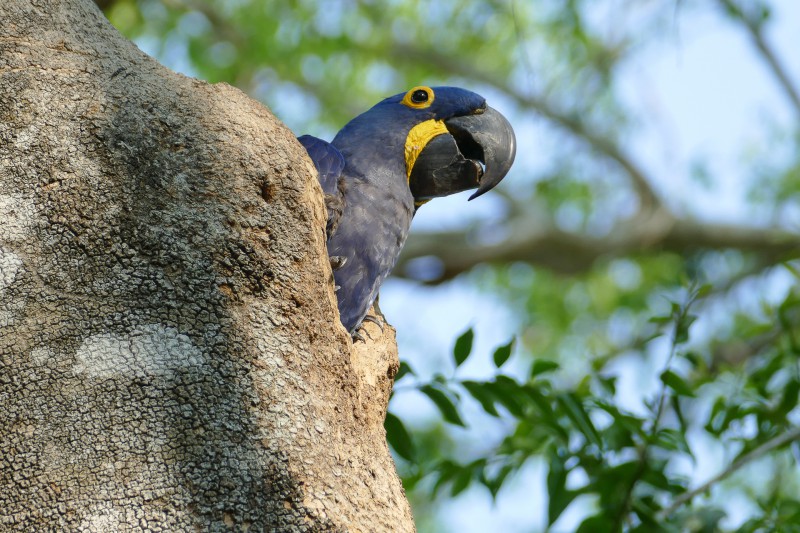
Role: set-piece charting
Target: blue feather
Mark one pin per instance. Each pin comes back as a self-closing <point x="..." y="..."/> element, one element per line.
<point x="327" y="159"/>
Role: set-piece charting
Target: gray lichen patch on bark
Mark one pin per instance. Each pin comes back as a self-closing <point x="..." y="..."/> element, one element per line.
<point x="151" y="350"/>
<point x="170" y="353"/>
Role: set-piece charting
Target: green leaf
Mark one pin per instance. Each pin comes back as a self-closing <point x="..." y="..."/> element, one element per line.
<point x="672" y="440"/>
<point x="542" y="401"/>
<point x="463" y="346"/>
<point x="482" y="394"/>
<point x="575" y="412"/>
<point x="792" y="269"/>
<point x="559" y="496"/>
<point x="461" y="481"/>
<point x="542" y="366"/>
<point x="495" y="483"/>
<point x="596" y="523"/>
<point x="405" y="368"/>
<point x="446" y="470"/>
<point x="631" y="424"/>
<point x="663" y="319"/>
<point x="608" y="385"/>
<point x="694" y="359"/>
<point x="410" y="481"/>
<point x="502" y="353"/>
<point x="724" y="414"/>
<point x="650" y="523"/>
<point x="444" y="403"/>
<point x="655" y="477"/>
<point x="617" y="437"/>
<point x="708" y="518"/>
<point x="790" y="397"/>
<point x="509" y="394"/>
<point x="682" y="328"/>
<point x="677" y="383"/>
<point x="703" y="290"/>
<point x="676" y="407"/>
<point x="398" y="437"/>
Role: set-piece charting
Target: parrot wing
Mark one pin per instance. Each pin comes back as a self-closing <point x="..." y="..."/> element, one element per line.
<point x="329" y="163"/>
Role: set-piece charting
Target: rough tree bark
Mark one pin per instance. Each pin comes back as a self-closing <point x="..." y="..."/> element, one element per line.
<point x="170" y="354"/>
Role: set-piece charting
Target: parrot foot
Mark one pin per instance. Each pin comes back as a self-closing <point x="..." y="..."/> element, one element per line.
<point x="356" y="334"/>
<point x="337" y="261"/>
<point x="375" y="320"/>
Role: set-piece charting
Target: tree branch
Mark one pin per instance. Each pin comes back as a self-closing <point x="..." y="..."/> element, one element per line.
<point x="754" y="28"/>
<point x="541" y="243"/>
<point x="764" y="449"/>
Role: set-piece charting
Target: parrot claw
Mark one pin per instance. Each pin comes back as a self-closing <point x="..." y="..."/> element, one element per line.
<point x="357" y="332"/>
<point x="336" y="288"/>
<point x="337" y="261"/>
<point x="375" y="320"/>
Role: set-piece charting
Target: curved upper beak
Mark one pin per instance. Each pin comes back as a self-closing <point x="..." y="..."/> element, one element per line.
<point x="493" y="134"/>
<point x="478" y="153"/>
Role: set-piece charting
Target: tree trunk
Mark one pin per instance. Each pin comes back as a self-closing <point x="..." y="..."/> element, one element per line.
<point x="171" y="358"/>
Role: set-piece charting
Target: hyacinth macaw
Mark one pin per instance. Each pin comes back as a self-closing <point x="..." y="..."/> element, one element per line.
<point x="387" y="162"/>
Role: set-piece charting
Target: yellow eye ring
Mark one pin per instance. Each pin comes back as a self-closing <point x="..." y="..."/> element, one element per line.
<point x="418" y="97"/>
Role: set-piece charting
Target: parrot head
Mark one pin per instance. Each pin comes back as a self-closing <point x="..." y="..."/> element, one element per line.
<point x="452" y="141"/>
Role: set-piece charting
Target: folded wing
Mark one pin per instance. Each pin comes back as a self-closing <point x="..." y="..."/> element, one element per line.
<point x="329" y="163"/>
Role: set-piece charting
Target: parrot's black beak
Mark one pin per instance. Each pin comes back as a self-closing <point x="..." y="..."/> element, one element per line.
<point x="490" y="137"/>
<point x="478" y="153"/>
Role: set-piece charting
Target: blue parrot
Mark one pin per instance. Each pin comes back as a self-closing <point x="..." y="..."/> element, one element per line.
<point x="385" y="163"/>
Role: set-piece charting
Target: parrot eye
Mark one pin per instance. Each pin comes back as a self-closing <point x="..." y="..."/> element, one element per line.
<point x="418" y="98"/>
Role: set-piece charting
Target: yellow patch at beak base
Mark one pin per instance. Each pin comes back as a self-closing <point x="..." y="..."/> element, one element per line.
<point x="419" y="136"/>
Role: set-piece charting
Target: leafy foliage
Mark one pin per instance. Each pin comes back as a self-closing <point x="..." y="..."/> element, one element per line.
<point x="627" y="459"/>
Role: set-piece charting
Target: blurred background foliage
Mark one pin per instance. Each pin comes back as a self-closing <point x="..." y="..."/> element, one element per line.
<point x="637" y="368"/>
